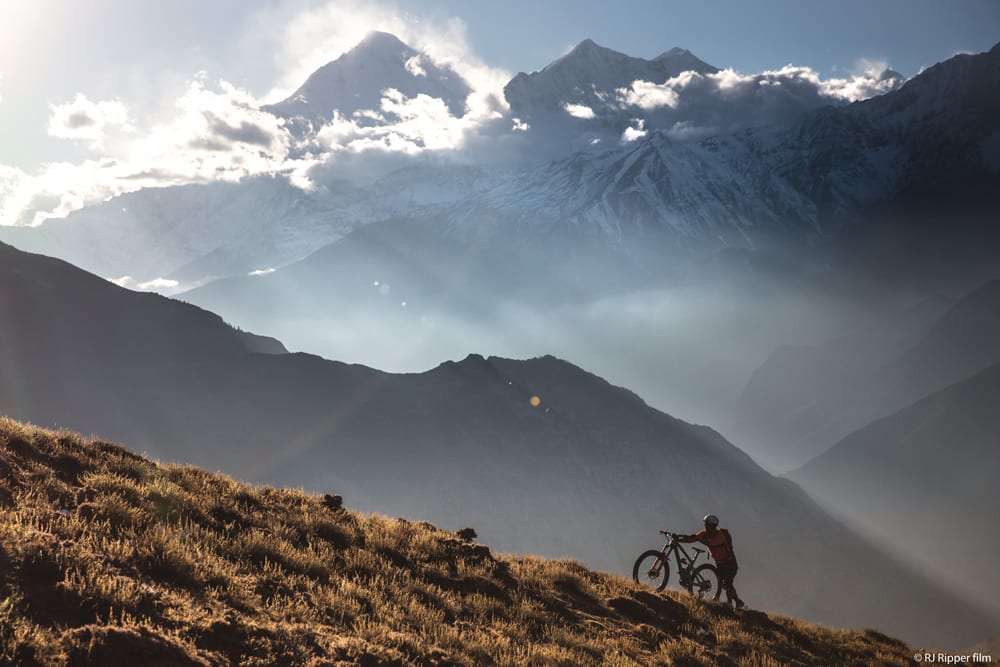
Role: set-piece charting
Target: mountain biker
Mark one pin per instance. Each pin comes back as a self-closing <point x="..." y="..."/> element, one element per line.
<point x="720" y="545"/>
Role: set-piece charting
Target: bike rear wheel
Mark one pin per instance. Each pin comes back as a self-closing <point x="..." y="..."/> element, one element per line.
<point x="705" y="583"/>
<point x="651" y="569"/>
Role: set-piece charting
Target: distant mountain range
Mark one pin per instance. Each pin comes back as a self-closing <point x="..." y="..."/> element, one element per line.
<point x="771" y="160"/>
<point x="539" y="455"/>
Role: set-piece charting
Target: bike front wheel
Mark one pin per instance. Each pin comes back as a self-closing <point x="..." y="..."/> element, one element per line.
<point x="651" y="569"/>
<point x="705" y="583"/>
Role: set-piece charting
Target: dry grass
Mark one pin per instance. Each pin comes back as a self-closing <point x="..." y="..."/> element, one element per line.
<point x="107" y="558"/>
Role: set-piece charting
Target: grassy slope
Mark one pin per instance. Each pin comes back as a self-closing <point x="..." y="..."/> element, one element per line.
<point x="107" y="558"/>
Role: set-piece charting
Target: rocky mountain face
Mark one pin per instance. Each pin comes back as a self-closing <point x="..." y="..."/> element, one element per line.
<point x="539" y="455"/>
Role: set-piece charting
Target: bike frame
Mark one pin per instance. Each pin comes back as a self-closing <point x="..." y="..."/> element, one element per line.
<point x="674" y="546"/>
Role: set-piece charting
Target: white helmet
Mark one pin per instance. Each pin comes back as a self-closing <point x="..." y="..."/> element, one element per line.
<point x="711" y="520"/>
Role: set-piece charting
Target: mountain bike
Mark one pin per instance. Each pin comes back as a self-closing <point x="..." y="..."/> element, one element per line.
<point x="652" y="569"/>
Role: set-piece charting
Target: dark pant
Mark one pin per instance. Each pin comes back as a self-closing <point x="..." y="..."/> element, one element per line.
<point x="727" y="572"/>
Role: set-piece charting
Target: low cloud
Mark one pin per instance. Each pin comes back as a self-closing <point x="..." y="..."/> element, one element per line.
<point x="871" y="78"/>
<point x="579" y="111"/>
<point x="215" y="133"/>
<point x="692" y="104"/>
<point x="414" y="67"/>
<point x="155" y="285"/>
<point x="408" y="125"/>
<point x="84" y="120"/>
<point x="647" y="96"/>
<point x="634" y="133"/>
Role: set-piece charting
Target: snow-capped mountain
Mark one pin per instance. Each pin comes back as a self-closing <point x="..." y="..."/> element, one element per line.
<point x="590" y="76"/>
<point x="706" y="156"/>
<point x="356" y="82"/>
<point x="805" y="180"/>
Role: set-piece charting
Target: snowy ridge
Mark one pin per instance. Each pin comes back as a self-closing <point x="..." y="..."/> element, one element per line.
<point x="780" y="161"/>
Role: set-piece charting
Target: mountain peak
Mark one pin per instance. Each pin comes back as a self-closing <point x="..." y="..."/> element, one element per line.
<point x="677" y="60"/>
<point x="673" y="53"/>
<point x="379" y="41"/>
<point x="588" y="48"/>
<point x="357" y="79"/>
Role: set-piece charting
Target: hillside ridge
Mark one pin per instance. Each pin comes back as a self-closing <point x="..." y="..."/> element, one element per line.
<point x="109" y="558"/>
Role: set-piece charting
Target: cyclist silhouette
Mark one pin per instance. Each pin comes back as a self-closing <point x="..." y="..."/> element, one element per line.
<point x="720" y="545"/>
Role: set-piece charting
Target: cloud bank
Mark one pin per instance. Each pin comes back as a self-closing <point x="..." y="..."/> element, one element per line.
<point x="215" y="133"/>
<point x="791" y="85"/>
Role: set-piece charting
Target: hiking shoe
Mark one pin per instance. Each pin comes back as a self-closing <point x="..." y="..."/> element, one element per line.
<point x="740" y="604"/>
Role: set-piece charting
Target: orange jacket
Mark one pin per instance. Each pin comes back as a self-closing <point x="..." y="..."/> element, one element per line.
<point x="720" y="544"/>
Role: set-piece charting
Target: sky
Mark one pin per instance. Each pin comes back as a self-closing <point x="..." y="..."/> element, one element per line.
<point x="136" y="70"/>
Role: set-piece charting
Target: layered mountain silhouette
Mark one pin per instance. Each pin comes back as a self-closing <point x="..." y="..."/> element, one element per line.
<point x="922" y="481"/>
<point x="539" y="455"/>
<point x="803" y="400"/>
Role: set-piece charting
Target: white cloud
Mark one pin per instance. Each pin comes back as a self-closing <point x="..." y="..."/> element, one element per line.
<point x="261" y="272"/>
<point x="647" y="96"/>
<point x="84" y="120"/>
<point x="414" y="67"/>
<point x="213" y="134"/>
<point x="868" y="80"/>
<point x="633" y="133"/>
<point x="158" y="284"/>
<point x="411" y="125"/>
<point x="579" y="111"/>
<point x="154" y="285"/>
<point x="753" y="96"/>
